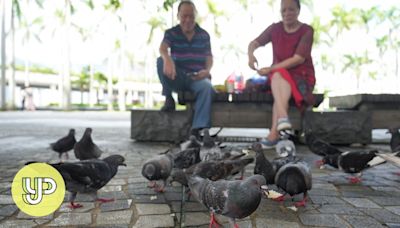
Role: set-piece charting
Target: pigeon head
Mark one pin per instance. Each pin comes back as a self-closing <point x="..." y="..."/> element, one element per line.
<point x="393" y="130"/>
<point x="330" y="159"/>
<point x="88" y="131"/>
<point x="115" y="160"/>
<point x="149" y="171"/>
<point x="192" y="138"/>
<point x="257" y="147"/>
<point x="71" y="131"/>
<point x="257" y="180"/>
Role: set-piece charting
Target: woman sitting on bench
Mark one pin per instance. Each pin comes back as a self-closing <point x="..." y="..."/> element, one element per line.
<point x="292" y="70"/>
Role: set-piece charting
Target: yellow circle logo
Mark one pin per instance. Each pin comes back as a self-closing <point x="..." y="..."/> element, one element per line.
<point x="38" y="189"/>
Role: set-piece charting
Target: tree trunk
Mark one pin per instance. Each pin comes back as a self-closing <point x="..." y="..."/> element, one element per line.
<point x="92" y="92"/>
<point x="66" y="99"/>
<point x="109" y="83"/>
<point x="3" y="57"/>
<point x="11" y="83"/>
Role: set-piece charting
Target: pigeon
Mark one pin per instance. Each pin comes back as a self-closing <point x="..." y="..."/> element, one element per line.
<point x="266" y="168"/>
<point x="285" y="147"/>
<point x="191" y="143"/>
<point x="85" y="148"/>
<point x="231" y="198"/>
<point x="187" y="158"/>
<point x="351" y="162"/>
<point x="158" y="168"/>
<point x="294" y="178"/>
<point x="216" y="170"/>
<point x="210" y="150"/>
<point x="213" y="170"/>
<point x="88" y="176"/>
<point x="64" y="144"/>
<point x="263" y="166"/>
<point x="319" y="146"/>
<point x="395" y="139"/>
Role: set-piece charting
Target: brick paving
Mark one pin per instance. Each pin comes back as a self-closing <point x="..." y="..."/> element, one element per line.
<point x="25" y="136"/>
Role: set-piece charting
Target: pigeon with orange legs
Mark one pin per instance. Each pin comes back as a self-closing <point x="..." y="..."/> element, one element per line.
<point x="294" y="178"/>
<point x="234" y="199"/>
<point x="353" y="162"/>
<point x="158" y="168"/>
<point x="88" y="176"/>
<point x="319" y="146"/>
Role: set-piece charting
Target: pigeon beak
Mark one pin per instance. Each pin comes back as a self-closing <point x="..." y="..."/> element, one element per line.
<point x="123" y="164"/>
<point x="264" y="188"/>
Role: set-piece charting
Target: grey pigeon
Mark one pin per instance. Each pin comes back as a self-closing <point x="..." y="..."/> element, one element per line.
<point x="351" y="162"/>
<point x="187" y="158"/>
<point x="191" y="143"/>
<point x="85" y="148"/>
<point x="319" y="146"/>
<point x="64" y="144"/>
<point x="88" y="176"/>
<point x="213" y="170"/>
<point x="231" y="198"/>
<point x="158" y="168"/>
<point x="267" y="168"/>
<point x="216" y="170"/>
<point x="395" y="139"/>
<point x="294" y="178"/>
<point x="210" y="150"/>
<point x="263" y="166"/>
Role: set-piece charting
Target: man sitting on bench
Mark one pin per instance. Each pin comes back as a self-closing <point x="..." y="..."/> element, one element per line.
<point x="187" y="66"/>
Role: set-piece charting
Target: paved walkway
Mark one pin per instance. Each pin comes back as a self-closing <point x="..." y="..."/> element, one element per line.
<point x="24" y="136"/>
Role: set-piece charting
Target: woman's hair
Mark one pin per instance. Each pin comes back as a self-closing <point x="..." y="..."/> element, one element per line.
<point x="297" y="3"/>
<point x="189" y="2"/>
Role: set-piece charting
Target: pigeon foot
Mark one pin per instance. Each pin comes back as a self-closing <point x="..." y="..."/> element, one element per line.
<point x="301" y="203"/>
<point x="214" y="222"/>
<point x="319" y="163"/>
<point x="239" y="178"/>
<point x="152" y="184"/>
<point x="159" y="189"/>
<point x="279" y="198"/>
<point x="354" y="180"/>
<point x="396" y="173"/>
<point x="74" y="205"/>
<point x="105" y="200"/>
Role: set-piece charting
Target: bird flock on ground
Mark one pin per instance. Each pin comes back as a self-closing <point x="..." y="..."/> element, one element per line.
<point x="90" y="173"/>
<point x="208" y="168"/>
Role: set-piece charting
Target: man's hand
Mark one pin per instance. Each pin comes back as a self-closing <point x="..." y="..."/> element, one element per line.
<point x="201" y="75"/>
<point x="169" y="69"/>
<point x="264" y="71"/>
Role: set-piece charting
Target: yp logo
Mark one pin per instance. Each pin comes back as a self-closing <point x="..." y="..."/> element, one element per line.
<point x="38" y="189"/>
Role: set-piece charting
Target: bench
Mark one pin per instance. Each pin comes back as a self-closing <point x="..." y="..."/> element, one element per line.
<point x="382" y="109"/>
<point x="245" y="110"/>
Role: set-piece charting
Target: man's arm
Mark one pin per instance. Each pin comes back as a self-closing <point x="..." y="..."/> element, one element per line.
<point x="169" y="66"/>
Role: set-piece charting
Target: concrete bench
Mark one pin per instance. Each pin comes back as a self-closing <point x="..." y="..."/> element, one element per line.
<point x="246" y="110"/>
<point x="355" y="117"/>
<point x="382" y="109"/>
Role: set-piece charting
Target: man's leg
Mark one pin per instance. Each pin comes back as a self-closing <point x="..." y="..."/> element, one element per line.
<point x="202" y="110"/>
<point x="169" y="85"/>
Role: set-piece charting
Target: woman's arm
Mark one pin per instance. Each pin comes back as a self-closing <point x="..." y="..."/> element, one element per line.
<point x="253" y="45"/>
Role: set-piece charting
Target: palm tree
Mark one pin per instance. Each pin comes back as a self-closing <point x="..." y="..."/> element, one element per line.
<point x="356" y="63"/>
